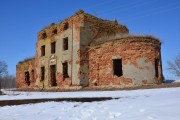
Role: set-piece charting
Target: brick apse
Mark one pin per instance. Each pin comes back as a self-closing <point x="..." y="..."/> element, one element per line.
<point x="87" y="51"/>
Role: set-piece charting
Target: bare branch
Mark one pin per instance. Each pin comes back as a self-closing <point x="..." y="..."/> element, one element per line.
<point x="3" y="69"/>
<point x="174" y="66"/>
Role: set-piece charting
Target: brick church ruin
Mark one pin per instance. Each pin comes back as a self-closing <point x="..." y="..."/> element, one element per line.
<point x="86" y="51"/>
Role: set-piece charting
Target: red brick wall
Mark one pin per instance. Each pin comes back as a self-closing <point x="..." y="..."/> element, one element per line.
<point x="101" y="64"/>
<point x="21" y="68"/>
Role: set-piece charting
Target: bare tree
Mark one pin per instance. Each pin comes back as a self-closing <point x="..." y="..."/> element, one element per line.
<point x="3" y="72"/>
<point x="174" y="66"/>
<point x="3" y="69"/>
<point x="8" y="81"/>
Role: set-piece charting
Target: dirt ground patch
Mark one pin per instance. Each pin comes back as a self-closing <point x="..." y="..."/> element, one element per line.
<point x="107" y="88"/>
<point x="30" y="101"/>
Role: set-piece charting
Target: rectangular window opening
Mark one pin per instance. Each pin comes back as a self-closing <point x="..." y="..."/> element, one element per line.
<point x="53" y="47"/>
<point x="156" y="67"/>
<point x="65" y="43"/>
<point x="27" y="78"/>
<point x="65" y="70"/>
<point x="44" y="36"/>
<point x="53" y="75"/>
<point x="42" y="73"/>
<point x="32" y="75"/>
<point x="54" y="31"/>
<point x="117" y="67"/>
<point x="66" y="26"/>
<point x="43" y="50"/>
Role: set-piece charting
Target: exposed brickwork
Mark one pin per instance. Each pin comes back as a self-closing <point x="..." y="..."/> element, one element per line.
<point x="102" y="27"/>
<point x="21" y="68"/>
<point x="93" y="43"/>
<point x="62" y="82"/>
<point x="129" y="49"/>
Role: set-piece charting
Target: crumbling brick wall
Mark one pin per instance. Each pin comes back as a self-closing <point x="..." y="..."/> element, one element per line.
<point x="22" y="68"/>
<point x="71" y="55"/>
<point x="93" y="46"/>
<point x="138" y="56"/>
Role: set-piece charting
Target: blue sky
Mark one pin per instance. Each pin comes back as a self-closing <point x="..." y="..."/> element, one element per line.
<point x="20" y="21"/>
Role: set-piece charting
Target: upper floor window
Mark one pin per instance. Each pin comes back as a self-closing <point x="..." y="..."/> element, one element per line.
<point x="43" y="50"/>
<point x="53" y="47"/>
<point x="66" y="26"/>
<point x="65" y="43"/>
<point x="44" y="35"/>
<point x="54" y="31"/>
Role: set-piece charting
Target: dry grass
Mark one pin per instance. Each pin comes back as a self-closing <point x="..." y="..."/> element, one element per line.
<point x="105" y="88"/>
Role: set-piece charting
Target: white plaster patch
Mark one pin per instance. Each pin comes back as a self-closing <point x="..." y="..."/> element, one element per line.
<point x="52" y="61"/>
<point x="137" y="74"/>
<point x="42" y="62"/>
<point x="116" y="57"/>
<point x="108" y="70"/>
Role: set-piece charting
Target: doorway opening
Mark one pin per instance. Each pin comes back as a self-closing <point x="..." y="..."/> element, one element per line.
<point x="53" y="75"/>
<point x="65" y="70"/>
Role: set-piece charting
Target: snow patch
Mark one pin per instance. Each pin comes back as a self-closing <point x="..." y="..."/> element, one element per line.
<point x="149" y="104"/>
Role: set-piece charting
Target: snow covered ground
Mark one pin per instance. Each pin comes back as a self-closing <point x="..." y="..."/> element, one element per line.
<point x="177" y="80"/>
<point x="172" y="81"/>
<point x="149" y="104"/>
